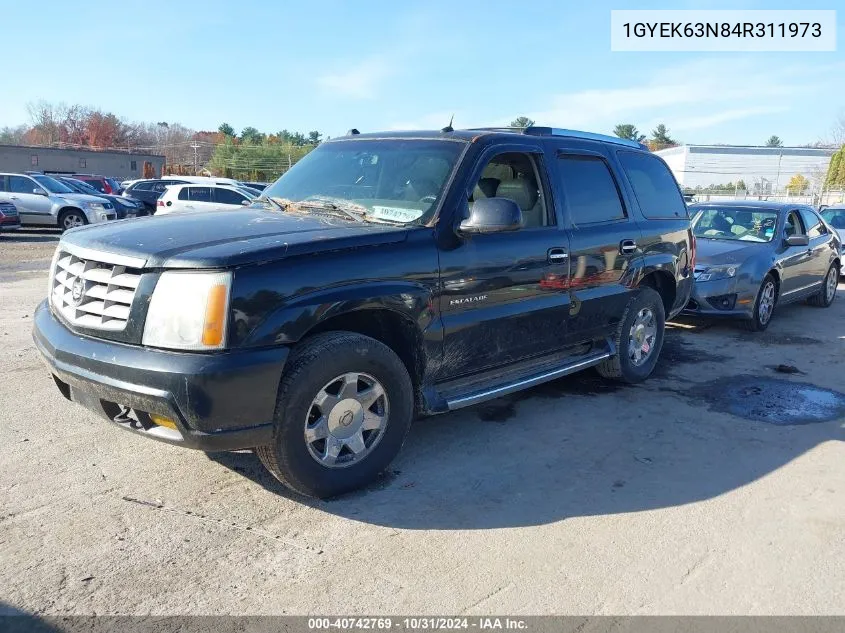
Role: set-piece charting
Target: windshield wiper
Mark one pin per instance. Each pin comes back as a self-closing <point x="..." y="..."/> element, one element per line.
<point x="330" y="205"/>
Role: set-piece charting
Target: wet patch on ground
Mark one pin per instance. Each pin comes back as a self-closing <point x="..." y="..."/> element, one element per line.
<point x="772" y="400"/>
<point x="770" y="338"/>
<point x="500" y="410"/>
<point x="677" y="351"/>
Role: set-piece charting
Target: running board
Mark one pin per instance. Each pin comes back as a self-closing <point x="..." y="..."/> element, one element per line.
<point x="523" y="383"/>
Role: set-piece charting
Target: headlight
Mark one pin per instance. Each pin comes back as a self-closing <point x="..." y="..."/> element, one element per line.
<point x="95" y="206"/>
<point x="717" y="272"/>
<point x="189" y="310"/>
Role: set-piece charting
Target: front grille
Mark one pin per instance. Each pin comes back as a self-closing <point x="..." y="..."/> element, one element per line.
<point x="93" y="294"/>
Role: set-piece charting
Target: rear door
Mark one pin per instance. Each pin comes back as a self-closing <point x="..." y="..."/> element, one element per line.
<point x="819" y="247"/>
<point x="603" y="239"/>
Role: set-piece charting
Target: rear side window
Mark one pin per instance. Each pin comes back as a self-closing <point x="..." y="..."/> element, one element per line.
<point x="590" y="190"/>
<point x="183" y="193"/>
<point x="141" y="186"/>
<point x="199" y="194"/>
<point x="654" y="185"/>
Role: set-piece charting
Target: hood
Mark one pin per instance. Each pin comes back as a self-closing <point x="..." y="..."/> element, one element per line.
<point x="717" y="252"/>
<point x="218" y="239"/>
<point x="80" y="197"/>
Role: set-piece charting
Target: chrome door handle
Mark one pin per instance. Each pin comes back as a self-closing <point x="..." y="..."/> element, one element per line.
<point x="557" y="255"/>
<point x="626" y="247"/>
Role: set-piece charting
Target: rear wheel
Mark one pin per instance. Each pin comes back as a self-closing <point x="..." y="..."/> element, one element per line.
<point x="764" y="306"/>
<point x="827" y="294"/>
<point x="639" y="339"/>
<point x="344" y="408"/>
<point x="72" y="219"/>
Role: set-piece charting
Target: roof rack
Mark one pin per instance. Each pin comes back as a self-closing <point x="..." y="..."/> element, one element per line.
<point x="556" y="131"/>
<point x="590" y="136"/>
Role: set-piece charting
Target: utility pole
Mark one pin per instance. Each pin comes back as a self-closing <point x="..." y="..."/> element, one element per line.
<point x="196" y="146"/>
<point x="777" y="179"/>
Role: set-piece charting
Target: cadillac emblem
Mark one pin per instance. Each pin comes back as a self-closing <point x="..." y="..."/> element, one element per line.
<point x="77" y="293"/>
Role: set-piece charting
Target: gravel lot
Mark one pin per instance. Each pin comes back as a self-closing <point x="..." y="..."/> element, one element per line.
<point x="577" y="497"/>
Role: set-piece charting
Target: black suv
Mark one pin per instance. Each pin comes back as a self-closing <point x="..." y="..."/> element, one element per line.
<point x="384" y="276"/>
<point x="148" y="191"/>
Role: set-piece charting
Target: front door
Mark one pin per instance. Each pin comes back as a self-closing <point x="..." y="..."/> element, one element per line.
<point x="794" y="262"/>
<point x="603" y="242"/>
<point x="34" y="208"/>
<point x="504" y="295"/>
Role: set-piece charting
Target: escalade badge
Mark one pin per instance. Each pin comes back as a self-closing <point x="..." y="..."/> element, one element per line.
<point x="77" y="292"/>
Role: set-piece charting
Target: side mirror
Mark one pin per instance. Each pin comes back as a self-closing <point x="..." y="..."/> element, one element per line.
<point x="492" y="215"/>
<point x="39" y="192"/>
<point x="797" y="240"/>
<point x="246" y="203"/>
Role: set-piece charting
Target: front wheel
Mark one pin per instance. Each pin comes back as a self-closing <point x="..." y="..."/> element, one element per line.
<point x="825" y="296"/>
<point x="764" y="306"/>
<point x="344" y="408"/>
<point x="639" y="339"/>
<point x="72" y="219"/>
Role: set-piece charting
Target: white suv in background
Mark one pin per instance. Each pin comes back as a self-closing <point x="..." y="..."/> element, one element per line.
<point x="195" y="197"/>
<point x="41" y="200"/>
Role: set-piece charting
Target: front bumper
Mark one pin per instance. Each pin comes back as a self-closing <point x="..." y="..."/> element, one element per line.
<point x="741" y="298"/>
<point x="222" y="401"/>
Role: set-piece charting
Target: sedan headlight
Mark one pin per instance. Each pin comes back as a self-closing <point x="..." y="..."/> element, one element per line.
<point x="717" y="272"/>
<point x="95" y="206"/>
<point x="189" y="310"/>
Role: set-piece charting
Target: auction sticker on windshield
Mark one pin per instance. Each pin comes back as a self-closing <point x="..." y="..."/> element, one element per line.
<point x="398" y="214"/>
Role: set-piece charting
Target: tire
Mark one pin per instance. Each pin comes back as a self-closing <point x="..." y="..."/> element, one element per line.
<point x="71" y="219"/>
<point x="827" y="294"/>
<point x="313" y="372"/>
<point x="622" y="366"/>
<point x="762" y="316"/>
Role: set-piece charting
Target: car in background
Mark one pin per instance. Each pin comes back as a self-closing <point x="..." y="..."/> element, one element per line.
<point x="10" y="220"/>
<point x="100" y="183"/>
<point x="45" y="201"/>
<point x="192" y="197"/>
<point x="148" y="191"/>
<point x="124" y="207"/>
<point x="260" y="186"/>
<point x="752" y="256"/>
<point x="835" y="217"/>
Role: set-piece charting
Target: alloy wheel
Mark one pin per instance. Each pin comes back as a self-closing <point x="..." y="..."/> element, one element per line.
<point x="642" y="336"/>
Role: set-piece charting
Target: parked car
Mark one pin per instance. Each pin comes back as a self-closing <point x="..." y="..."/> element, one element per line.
<point x="9" y="218"/>
<point x="100" y="183"/>
<point x="124" y="207"/>
<point x="835" y="217"/>
<point x="42" y="200"/>
<point x="314" y="324"/>
<point x="148" y="191"/>
<point x="191" y="197"/>
<point x="753" y="256"/>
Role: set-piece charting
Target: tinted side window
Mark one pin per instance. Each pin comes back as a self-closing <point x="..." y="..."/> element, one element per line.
<point x="227" y="196"/>
<point x="141" y="186"/>
<point x="183" y="194"/>
<point x="200" y="194"/>
<point x="3" y="186"/>
<point x="97" y="184"/>
<point x="19" y="184"/>
<point x="654" y="185"/>
<point x="814" y="225"/>
<point x="589" y="189"/>
<point x="794" y="225"/>
<point x="159" y="187"/>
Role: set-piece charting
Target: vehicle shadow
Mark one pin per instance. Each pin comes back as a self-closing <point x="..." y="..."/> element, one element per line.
<point x="14" y="620"/>
<point x="578" y="446"/>
<point x="32" y="235"/>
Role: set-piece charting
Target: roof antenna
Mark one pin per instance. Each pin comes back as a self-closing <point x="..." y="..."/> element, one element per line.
<point x="449" y="127"/>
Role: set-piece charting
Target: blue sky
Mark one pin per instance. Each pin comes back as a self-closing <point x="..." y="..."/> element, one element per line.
<point x="332" y="65"/>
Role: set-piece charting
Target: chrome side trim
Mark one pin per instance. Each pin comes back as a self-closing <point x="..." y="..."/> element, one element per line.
<point x="812" y="285"/>
<point x="489" y="394"/>
<point x="103" y="257"/>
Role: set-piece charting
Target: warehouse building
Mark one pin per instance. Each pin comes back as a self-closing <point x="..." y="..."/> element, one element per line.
<point x="122" y="165"/>
<point x="763" y="170"/>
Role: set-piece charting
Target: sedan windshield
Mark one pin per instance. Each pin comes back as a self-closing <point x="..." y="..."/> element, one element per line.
<point x="745" y="225"/>
<point x="52" y="185"/>
<point x="382" y="180"/>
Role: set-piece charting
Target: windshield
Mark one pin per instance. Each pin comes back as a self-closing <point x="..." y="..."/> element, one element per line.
<point x="835" y="217"/>
<point x="390" y="180"/>
<point x="52" y="185"/>
<point x="736" y="224"/>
